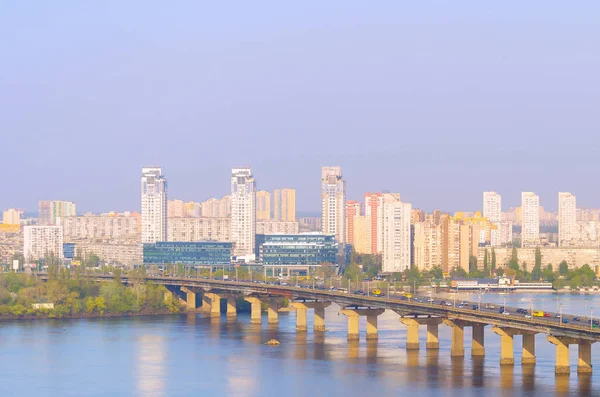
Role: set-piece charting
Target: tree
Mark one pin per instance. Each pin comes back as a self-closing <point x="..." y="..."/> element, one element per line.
<point x="485" y="261"/>
<point x="513" y="263"/>
<point x="536" y="272"/>
<point x="493" y="260"/>
<point x="575" y="282"/>
<point x="563" y="268"/>
<point x="459" y="272"/>
<point x="472" y="264"/>
<point x="538" y="258"/>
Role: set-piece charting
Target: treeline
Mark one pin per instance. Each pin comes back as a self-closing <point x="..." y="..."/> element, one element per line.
<point x="74" y="295"/>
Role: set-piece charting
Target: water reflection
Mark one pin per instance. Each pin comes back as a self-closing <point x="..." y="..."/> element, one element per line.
<point x="241" y="376"/>
<point x="562" y="384"/>
<point x="150" y="366"/>
<point x="301" y="348"/>
<point x="458" y="369"/>
<point x="585" y="384"/>
<point x="353" y="349"/>
<point x="372" y="351"/>
<point x="528" y="371"/>
<point x="478" y="371"/>
<point x="507" y="378"/>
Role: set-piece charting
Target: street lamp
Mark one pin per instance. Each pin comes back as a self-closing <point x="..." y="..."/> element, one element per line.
<point x="531" y="308"/>
<point x="591" y="318"/>
<point x="560" y="313"/>
<point x="504" y="304"/>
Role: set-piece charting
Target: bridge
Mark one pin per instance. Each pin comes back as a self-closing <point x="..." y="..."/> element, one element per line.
<point x="561" y="330"/>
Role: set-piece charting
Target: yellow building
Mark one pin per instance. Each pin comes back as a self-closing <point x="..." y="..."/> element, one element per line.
<point x="362" y="243"/>
<point x="284" y="201"/>
<point x="263" y="205"/>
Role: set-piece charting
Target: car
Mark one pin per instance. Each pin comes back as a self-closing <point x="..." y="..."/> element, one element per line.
<point x="430" y="300"/>
<point x="506" y="313"/>
<point x="448" y="303"/>
<point x="546" y="314"/>
<point x="596" y="322"/>
<point x="557" y="315"/>
<point x="528" y="316"/>
<point x="491" y="306"/>
<point x="565" y="321"/>
<point x="442" y="303"/>
<point x="576" y="319"/>
<point x="475" y="307"/>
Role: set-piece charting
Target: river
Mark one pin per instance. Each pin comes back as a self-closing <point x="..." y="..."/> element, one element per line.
<point x="193" y="355"/>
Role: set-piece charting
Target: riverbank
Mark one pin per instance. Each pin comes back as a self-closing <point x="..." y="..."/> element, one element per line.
<point x="44" y="316"/>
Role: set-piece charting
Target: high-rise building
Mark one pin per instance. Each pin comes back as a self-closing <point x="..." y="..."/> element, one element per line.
<point x="284" y="202"/>
<point x="374" y="215"/>
<point x="492" y="207"/>
<point x="567" y="218"/>
<point x="333" y="203"/>
<point x="193" y="210"/>
<point x="225" y="207"/>
<point x="11" y="217"/>
<point x="396" y="234"/>
<point x="175" y="209"/>
<point x="50" y="211"/>
<point x="243" y="211"/>
<point x="353" y="210"/>
<point x="154" y="205"/>
<point x="42" y="242"/>
<point x="210" y="208"/>
<point x="263" y="205"/>
<point x="427" y="245"/>
<point x="530" y="219"/>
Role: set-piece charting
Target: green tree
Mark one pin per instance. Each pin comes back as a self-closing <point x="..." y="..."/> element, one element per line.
<point x="538" y="258"/>
<point x="472" y="264"/>
<point x="563" y="268"/>
<point x="493" y="260"/>
<point x="575" y="282"/>
<point x="513" y="263"/>
<point x="486" y="261"/>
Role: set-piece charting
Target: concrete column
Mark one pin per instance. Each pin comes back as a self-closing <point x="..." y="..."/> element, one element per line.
<point x="353" y="331"/>
<point x="319" y="321"/>
<point x="190" y="298"/>
<point x="458" y="338"/>
<point x="215" y="304"/>
<point x="412" y="333"/>
<point x="231" y="307"/>
<point x="432" y="336"/>
<point x="205" y="304"/>
<point x="528" y="354"/>
<point x="272" y="314"/>
<point x="584" y="364"/>
<point x="562" y="353"/>
<point x="507" y="351"/>
<point x="255" y="309"/>
<point x="477" y="343"/>
<point x="300" y="316"/>
<point x="372" y="326"/>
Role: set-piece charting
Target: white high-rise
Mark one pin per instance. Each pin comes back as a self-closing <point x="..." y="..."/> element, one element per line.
<point x="492" y="210"/>
<point x="530" y="219"/>
<point x="567" y="218"/>
<point x="154" y="205"/>
<point x="396" y="234"/>
<point x="333" y="203"/>
<point x="42" y="242"/>
<point x="243" y="211"/>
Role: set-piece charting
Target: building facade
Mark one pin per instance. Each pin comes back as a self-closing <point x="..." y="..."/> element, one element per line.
<point x="276" y="227"/>
<point x="11" y="217"/>
<point x="333" y="203"/>
<point x="154" y="205"/>
<point x="243" y="211"/>
<point x="374" y="215"/>
<point x="353" y="210"/>
<point x="567" y="219"/>
<point x="42" y="242"/>
<point x="127" y="254"/>
<point x="530" y="219"/>
<point x="175" y="209"/>
<point x="50" y="211"/>
<point x="263" y="205"/>
<point x="284" y="202"/>
<point x="396" y="256"/>
<point x="112" y="226"/>
<point x="199" y="229"/>
<point x="309" y="249"/>
<point x="205" y="253"/>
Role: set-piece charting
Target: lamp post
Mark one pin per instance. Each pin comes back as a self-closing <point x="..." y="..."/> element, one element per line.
<point x="504" y="305"/>
<point x="560" y="315"/>
<point x="479" y="305"/>
<point x="531" y="308"/>
<point x="557" y="304"/>
<point x="591" y="318"/>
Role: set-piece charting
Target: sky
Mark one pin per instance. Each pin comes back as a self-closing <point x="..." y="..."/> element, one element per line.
<point x="436" y="100"/>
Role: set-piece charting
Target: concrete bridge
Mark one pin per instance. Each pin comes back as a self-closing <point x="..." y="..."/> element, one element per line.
<point x="413" y="313"/>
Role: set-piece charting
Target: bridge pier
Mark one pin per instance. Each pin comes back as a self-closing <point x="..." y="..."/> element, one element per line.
<point x="584" y="364"/>
<point x="272" y="314"/>
<point x="477" y="342"/>
<point x="353" y="317"/>
<point x="458" y="337"/>
<point x="255" y="309"/>
<point x="231" y="307"/>
<point x="562" y="353"/>
<point x="507" y="351"/>
<point x="528" y="352"/>
<point x="412" y="333"/>
<point x="190" y="298"/>
<point x="319" y="315"/>
<point x="433" y="342"/>
<point x="215" y="303"/>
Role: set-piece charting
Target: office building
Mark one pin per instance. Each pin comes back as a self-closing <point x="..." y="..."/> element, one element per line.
<point x="154" y="205"/>
<point x="128" y="254"/>
<point x="567" y="219"/>
<point x="396" y="234"/>
<point x="530" y="219"/>
<point x="309" y="249"/>
<point x="333" y="203"/>
<point x="243" y="211"/>
<point x="263" y="205"/>
<point x="42" y="242"/>
<point x="50" y="211"/>
<point x="11" y="217"/>
<point x="205" y="253"/>
<point x="284" y="202"/>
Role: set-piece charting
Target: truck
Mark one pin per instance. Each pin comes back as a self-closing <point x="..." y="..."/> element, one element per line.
<point x="537" y="313"/>
<point x="376" y="292"/>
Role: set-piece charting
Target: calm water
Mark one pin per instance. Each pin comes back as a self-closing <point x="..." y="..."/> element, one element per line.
<point x="191" y="355"/>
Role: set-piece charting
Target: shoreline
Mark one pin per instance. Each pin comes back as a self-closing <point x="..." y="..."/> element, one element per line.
<point x="84" y="316"/>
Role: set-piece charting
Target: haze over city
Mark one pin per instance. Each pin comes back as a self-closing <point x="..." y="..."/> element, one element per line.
<point x="431" y="100"/>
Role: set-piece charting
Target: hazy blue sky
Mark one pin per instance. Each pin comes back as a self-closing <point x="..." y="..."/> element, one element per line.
<point x="437" y="100"/>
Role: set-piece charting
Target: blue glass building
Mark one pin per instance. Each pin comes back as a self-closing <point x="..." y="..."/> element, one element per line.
<point x="69" y="250"/>
<point x="296" y="249"/>
<point x="202" y="253"/>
